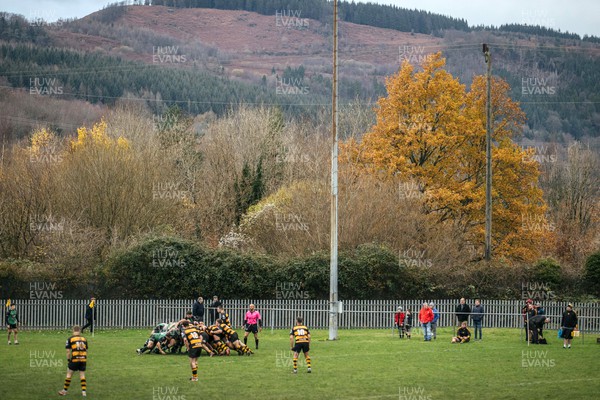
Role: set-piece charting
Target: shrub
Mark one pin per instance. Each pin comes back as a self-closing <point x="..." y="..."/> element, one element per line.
<point x="592" y="274"/>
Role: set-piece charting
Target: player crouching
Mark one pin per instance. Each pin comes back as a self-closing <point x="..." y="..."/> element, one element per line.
<point x="217" y="339"/>
<point x="233" y="341"/>
<point x="157" y="335"/>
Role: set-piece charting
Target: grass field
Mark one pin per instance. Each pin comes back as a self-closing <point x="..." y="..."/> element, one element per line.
<point x="362" y="364"/>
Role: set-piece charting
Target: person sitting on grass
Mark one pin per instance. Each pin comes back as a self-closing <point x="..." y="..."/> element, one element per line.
<point x="463" y="335"/>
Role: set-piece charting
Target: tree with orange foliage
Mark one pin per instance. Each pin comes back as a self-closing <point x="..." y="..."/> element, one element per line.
<point x="430" y="132"/>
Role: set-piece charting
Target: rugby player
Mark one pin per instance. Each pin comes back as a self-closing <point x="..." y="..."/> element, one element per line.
<point x="233" y="341"/>
<point x="77" y="359"/>
<point x="300" y="341"/>
<point x="193" y="343"/>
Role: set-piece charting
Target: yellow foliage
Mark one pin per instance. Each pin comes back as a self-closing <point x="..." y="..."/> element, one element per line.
<point x="277" y="201"/>
<point x="97" y="137"/>
<point x="41" y="139"/>
<point x="430" y="130"/>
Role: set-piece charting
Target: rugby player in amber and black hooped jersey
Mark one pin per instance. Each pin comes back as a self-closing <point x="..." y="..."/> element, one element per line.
<point x="77" y="348"/>
<point x="193" y="342"/>
<point x="300" y="342"/>
<point x="223" y="316"/>
<point x="232" y="339"/>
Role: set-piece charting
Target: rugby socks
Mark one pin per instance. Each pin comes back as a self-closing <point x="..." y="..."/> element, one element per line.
<point x="221" y="347"/>
<point x="195" y="372"/>
<point x="256" y="343"/>
<point x="307" y="362"/>
<point x="246" y="349"/>
<point x="295" y="363"/>
<point x="67" y="384"/>
<point x="83" y="385"/>
<point x="245" y="340"/>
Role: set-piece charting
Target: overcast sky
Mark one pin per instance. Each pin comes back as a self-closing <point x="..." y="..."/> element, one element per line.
<point x="582" y="18"/>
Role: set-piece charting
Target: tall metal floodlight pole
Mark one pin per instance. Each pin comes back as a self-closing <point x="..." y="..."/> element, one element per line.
<point x="333" y="265"/>
<point x="488" y="157"/>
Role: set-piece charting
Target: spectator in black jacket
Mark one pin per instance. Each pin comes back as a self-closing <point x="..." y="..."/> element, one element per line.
<point x="568" y="324"/>
<point x="477" y="317"/>
<point x="90" y="315"/>
<point x="213" y="311"/>
<point x="462" y="312"/>
<point x="198" y="310"/>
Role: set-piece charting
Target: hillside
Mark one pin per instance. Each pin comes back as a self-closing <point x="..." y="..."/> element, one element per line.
<point x="556" y="79"/>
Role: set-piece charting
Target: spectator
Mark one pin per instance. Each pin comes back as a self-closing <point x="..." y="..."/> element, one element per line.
<point x="536" y="327"/>
<point x="408" y="321"/>
<point x="425" y="318"/>
<point x="436" y="317"/>
<point x="213" y="312"/>
<point x="528" y="311"/>
<point x="462" y="311"/>
<point x="477" y="317"/>
<point x="540" y="309"/>
<point x="91" y="312"/>
<point x="463" y="335"/>
<point x="198" y="310"/>
<point x="568" y="325"/>
<point x="399" y="317"/>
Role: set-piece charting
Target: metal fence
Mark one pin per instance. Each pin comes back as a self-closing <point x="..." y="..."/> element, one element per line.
<point x="276" y="314"/>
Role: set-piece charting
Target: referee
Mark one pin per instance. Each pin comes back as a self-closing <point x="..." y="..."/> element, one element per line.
<point x="252" y="323"/>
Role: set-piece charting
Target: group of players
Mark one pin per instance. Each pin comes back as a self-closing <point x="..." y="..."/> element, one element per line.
<point x="219" y="338"/>
<point x="216" y="339"/>
<point x="187" y="335"/>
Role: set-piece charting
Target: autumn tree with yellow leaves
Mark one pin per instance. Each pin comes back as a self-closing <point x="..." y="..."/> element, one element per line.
<point x="430" y="136"/>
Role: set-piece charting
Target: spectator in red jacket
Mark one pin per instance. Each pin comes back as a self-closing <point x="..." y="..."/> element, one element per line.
<point x="399" y="321"/>
<point x="425" y="318"/>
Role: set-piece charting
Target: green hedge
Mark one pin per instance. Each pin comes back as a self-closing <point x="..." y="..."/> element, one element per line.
<point x="169" y="267"/>
<point x="592" y="274"/>
<point x="175" y="268"/>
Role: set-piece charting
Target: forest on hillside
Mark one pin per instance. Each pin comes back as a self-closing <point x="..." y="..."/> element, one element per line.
<point x="133" y="195"/>
<point x="556" y="81"/>
<point x="381" y="16"/>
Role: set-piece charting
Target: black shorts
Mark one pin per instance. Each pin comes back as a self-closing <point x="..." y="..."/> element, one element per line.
<point x="301" y="347"/>
<point x="567" y="333"/>
<point x="76" y="366"/>
<point x="234" y="337"/>
<point x="12" y="326"/>
<point x="194" y="352"/>
<point x="252" y="328"/>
